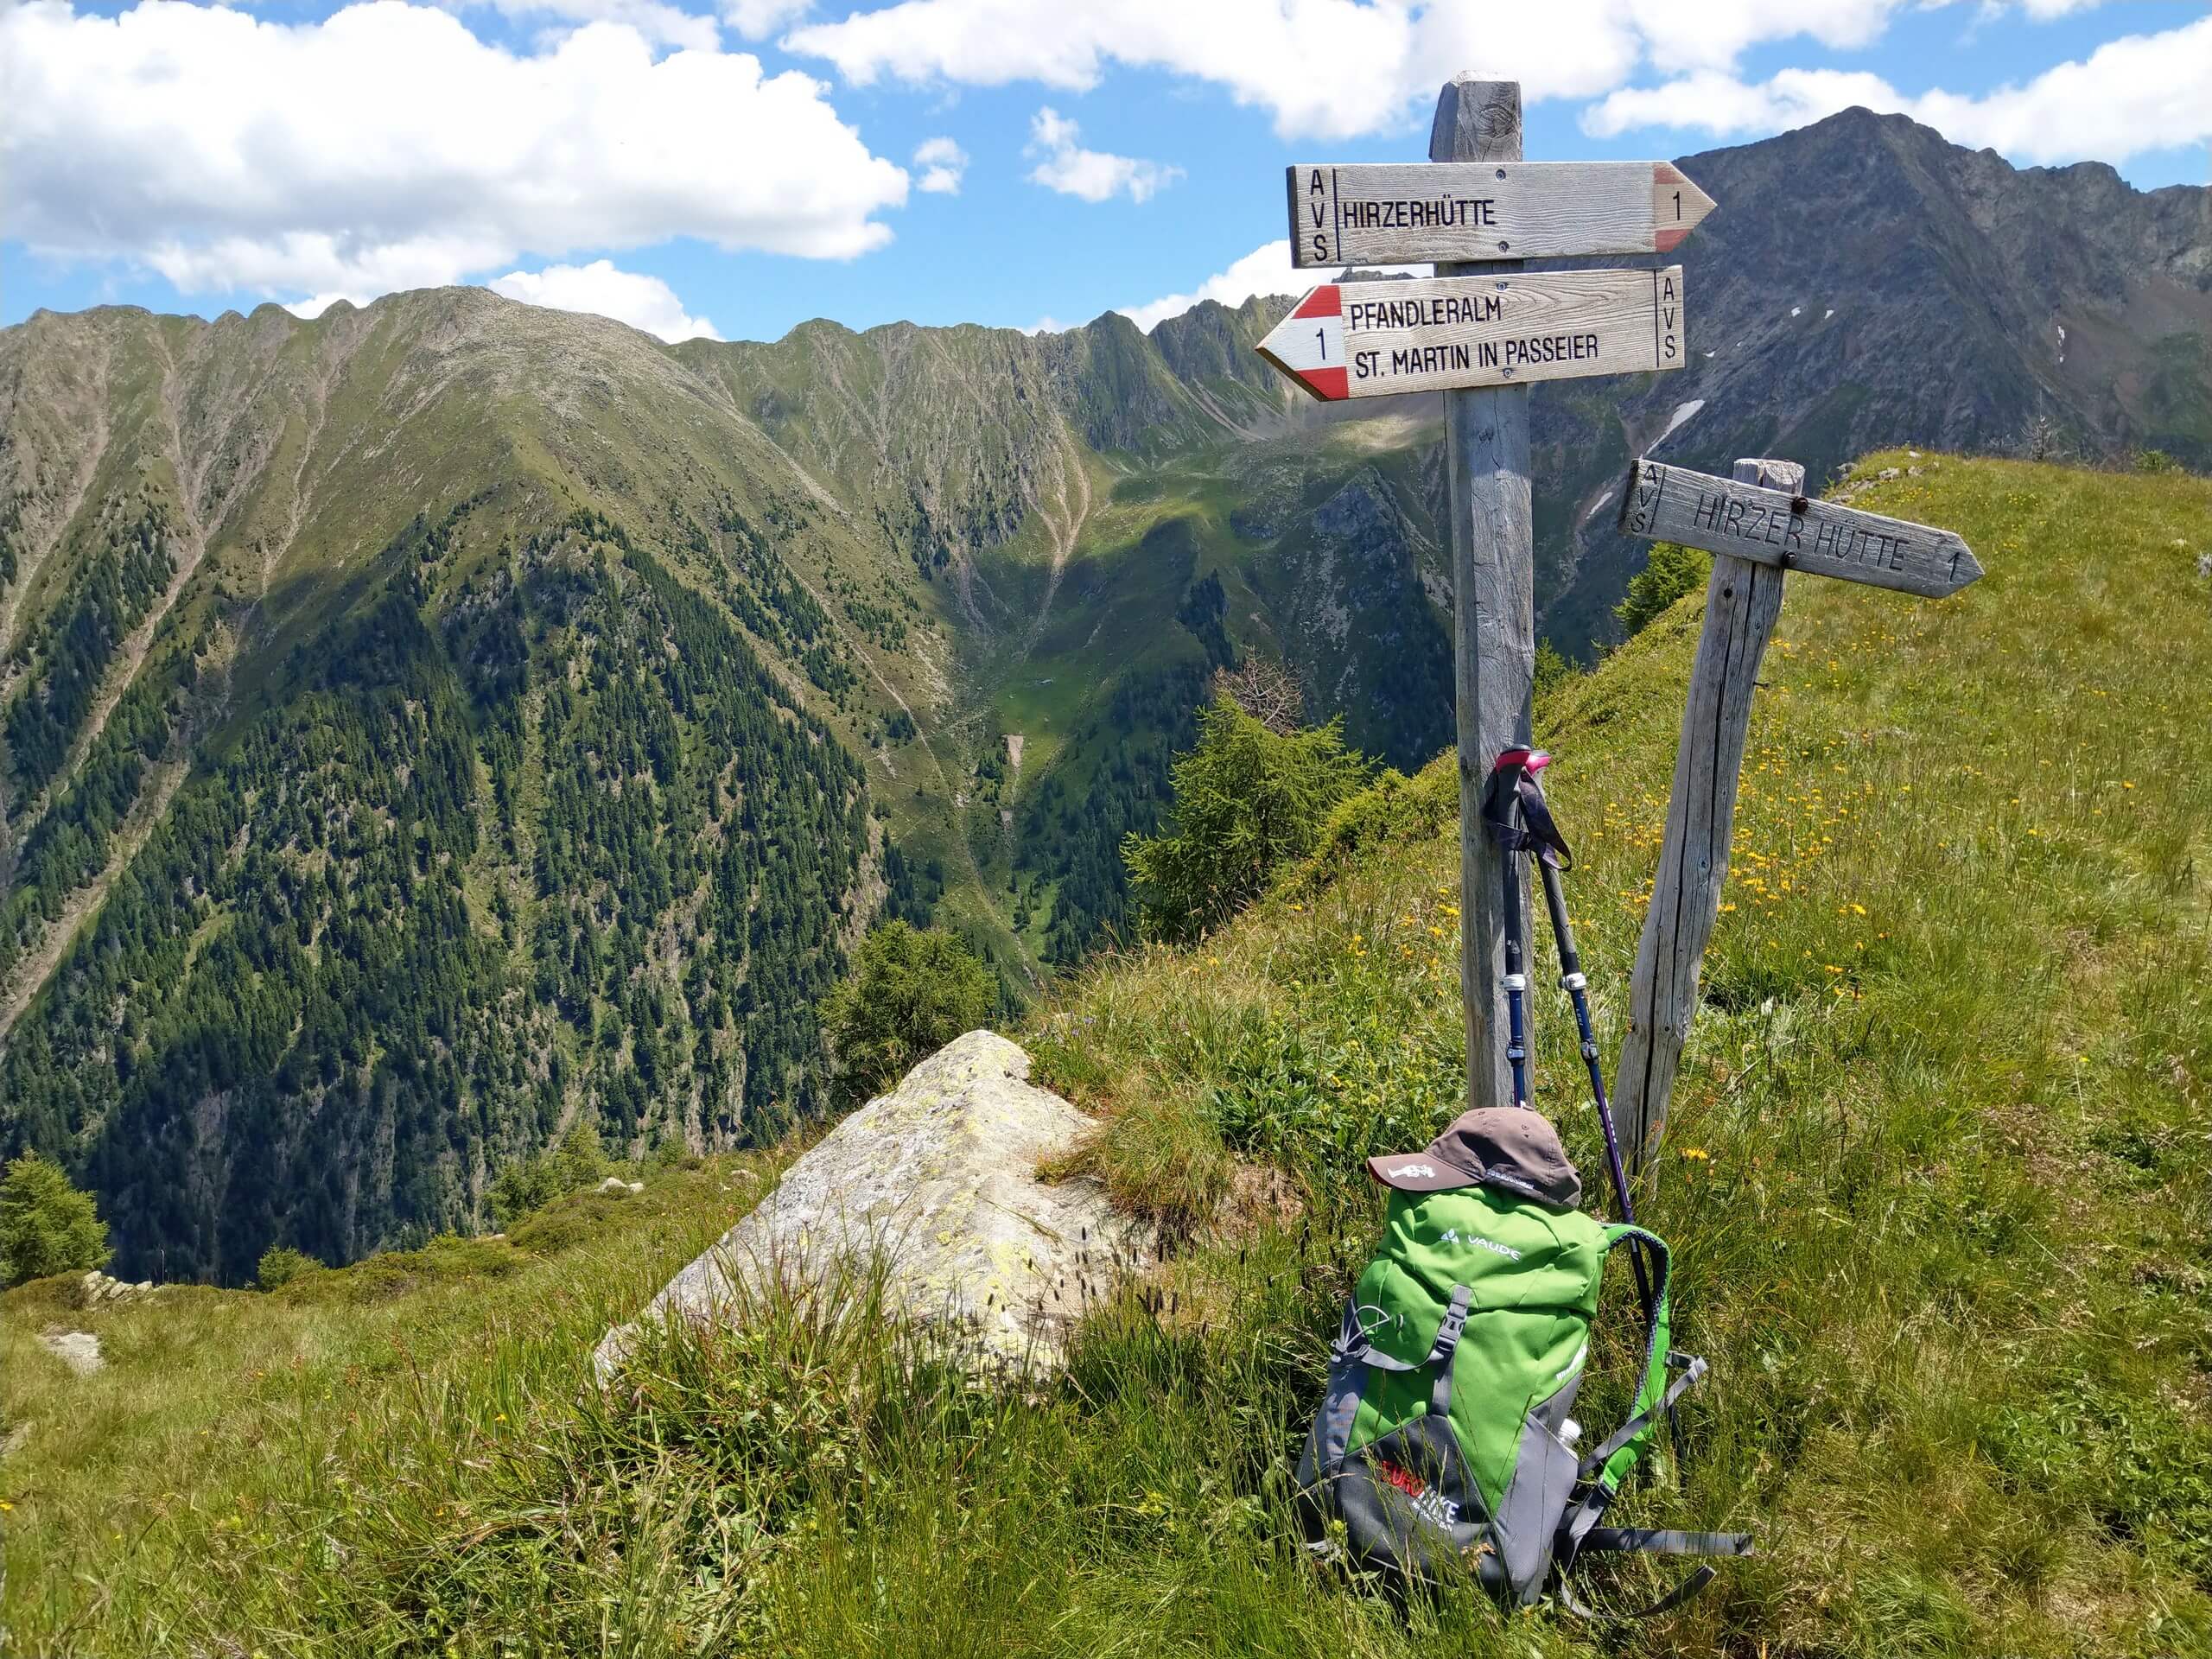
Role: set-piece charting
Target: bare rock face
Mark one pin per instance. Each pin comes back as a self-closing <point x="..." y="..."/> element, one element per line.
<point x="937" y="1179"/>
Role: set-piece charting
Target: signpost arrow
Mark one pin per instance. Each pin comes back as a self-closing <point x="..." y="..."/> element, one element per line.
<point x="1368" y="340"/>
<point x="1391" y="213"/>
<point x="1671" y="503"/>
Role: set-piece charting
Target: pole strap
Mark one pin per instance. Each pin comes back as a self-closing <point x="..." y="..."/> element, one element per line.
<point x="1660" y="1541"/>
<point x="1445" y="1348"/>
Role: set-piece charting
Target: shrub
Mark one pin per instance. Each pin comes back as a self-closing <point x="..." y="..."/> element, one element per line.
<point x="443" y="1259"/>
<point x="281" y="1264"/>
<point x="1670" y="572"/>
<point x="531" y="1183"/>
<point x="1553" y="667"/>
<point x="1247" y="801"/>
<point x="1393" y="807"/>
<point x="912" y="991"/>
<point x="2155" y="461"/>
<point x="46" y="1224"/>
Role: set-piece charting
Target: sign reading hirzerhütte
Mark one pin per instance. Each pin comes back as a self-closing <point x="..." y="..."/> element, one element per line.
<point x="1368" y="340"/>
<point x="1393" y="213"/>
<point x="1671" y="503"/>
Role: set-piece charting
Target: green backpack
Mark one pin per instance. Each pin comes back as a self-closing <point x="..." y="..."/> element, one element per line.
<point x="1445" y="1434"/>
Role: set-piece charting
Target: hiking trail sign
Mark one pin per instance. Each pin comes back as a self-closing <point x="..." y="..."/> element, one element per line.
<point x="1745" y="521"/>
<point x="1368" y="339"/>
<point x="1399" y="213"/>
<point x="1481" y="331"/>
<point x="1758" y="526"/>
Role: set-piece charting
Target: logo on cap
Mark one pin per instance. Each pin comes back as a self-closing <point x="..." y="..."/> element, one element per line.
<point x="1415" y="1169"/>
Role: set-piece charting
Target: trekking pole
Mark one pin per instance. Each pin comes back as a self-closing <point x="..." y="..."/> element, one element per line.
<point x="1500" y="803"/>
<point x="1572" y="980"/>
<point x="1550" y="855"/>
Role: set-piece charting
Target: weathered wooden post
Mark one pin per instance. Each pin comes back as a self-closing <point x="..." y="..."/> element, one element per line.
<point x="1493" y="603"/>
<point x="1480" y="331"/>
<point x="1756" y="527"/>
<point x="1742" y="602"/>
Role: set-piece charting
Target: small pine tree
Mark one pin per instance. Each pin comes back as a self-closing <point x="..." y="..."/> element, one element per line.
<point x="529" y="1184"/>
<point x="281" y="1264"/>
<point x="1671" y="572"/>
<point x="1553" y="668"/>
<point x="1247" y="801"/>
<point x="912" y="991"/>
<point x="46" y="1224"/>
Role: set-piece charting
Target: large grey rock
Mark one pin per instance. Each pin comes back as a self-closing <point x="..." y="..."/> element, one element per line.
<point x="938" y="1180"/>
<point x="78" y="1350"/>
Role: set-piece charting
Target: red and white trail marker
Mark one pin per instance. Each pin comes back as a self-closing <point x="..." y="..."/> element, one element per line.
<point x="1368" y="339"/>
<point x="1393" y="213"/>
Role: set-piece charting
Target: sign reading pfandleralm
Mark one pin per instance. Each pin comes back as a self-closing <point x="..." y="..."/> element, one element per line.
<point x="1388" y="213"/>
<point x="1368" y="339"/>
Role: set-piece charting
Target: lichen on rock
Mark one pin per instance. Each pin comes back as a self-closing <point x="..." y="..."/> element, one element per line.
<point x="934" y="1185"/>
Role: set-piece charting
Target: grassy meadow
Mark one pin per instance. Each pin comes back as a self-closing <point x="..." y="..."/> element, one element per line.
<point x="1936" y="1178"/>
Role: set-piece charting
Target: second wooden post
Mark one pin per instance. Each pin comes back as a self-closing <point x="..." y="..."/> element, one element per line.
<point x="1742" y="602"/>
<point x="1493" y="603"/>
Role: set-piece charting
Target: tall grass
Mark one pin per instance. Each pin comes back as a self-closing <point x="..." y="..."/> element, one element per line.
<point x="1936" y="1178"/>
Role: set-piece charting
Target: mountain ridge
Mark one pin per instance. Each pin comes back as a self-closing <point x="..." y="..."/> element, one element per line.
<point x="917" y="546"/>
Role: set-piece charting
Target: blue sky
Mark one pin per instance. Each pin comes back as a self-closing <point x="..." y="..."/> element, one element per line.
<point x="738" y="168"/>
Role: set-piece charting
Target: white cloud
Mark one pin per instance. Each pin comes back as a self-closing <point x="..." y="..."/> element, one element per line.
<point x="1266" y="270"/>
<point x="659" y="22"/>
<point x="1323" y="68"/>
<point x="1093" y="175"/>
<point x="2140" y="92"/>
<point x="756" y="18"/>
<point x="385" y="146"/>
<point x="942" y="162"/>
<point x="630" y="296"/>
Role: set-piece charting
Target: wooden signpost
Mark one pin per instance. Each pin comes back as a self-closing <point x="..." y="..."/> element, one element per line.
<point x="1481" y="332"/>
<point x="1757" y="525"/>
<point x="1770" y="527"/>
<point x="1368" y="340"/>
<point x="1404" y="213"/>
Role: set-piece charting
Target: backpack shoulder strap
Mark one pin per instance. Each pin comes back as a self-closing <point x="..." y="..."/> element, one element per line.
<point x="1609" y="1464"/>
<point x="1604" y="1470"/>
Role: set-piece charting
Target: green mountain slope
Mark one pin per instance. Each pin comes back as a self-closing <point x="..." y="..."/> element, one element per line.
<point x="1936" y="1179"/>
<point x="424" y="726"/>
<point x="378" y="804"/>
<point x="987" y="574"/>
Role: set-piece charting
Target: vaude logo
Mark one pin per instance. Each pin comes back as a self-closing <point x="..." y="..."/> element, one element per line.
<point x="1404" y="1170"/>
<point x="1452" y="1237"/>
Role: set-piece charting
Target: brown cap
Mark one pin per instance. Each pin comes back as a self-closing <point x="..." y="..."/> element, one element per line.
<point x="1493" y="1146"/>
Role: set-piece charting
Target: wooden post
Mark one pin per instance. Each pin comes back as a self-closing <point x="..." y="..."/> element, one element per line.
<point x="1493" y="603"/>
<point x="1741" y="603"/>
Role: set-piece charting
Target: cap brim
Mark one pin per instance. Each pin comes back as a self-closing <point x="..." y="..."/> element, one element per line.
<point x="1420" y="1171"/>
